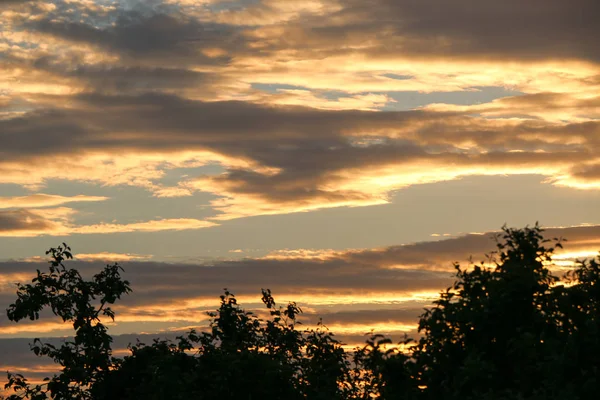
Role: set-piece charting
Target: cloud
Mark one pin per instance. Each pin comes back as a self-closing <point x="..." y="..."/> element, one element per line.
<point x="282" y="159"/>
<point x="305" y="97"/>
<point x="548" y="106"/>
<point x="464" y="29"/>
<point x="156" y="37"/>
<point x="111" y="257"/>
<point x="115" y="78"/>
<point x="175" y="224"/>
<point x="342" y="46"/>
<point x="102" y="256"/>
<point x="59" y="222"/>
<point x="433" y="28"/>
<point x="45" y="200"/>
<point x="585" y="176"/>
<point x="25" y="223"/>
<point x="268" y="12"/>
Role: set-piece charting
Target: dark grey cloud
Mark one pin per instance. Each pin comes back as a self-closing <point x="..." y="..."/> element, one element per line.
<point x="588" y="173"/>
<point x="505" y="30"/>
<point x="115" y="78"/>
<point x="17" y="221"/>
<point x="163" y="39"/>
<point x="513" y="29"/>
<point x="156" y="283"/>
<point x="165" y="121"/>
<point x="275" y="135"/>
<point x="308" y="146"/>
<point x="431" y="255"/>
<point x="4" y="4"/>
<point x="440" y="254"/>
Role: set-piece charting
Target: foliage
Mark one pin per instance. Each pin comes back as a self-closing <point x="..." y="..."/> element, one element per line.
<point x="87" y="357"/>
<point x="513" y="331"/>
<point x="508" y="329"/>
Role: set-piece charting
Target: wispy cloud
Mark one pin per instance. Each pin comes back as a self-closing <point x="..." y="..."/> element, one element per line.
<point x="45" y="200"/>
<point x="111" y="257"/>
<point x="59" y="222"/>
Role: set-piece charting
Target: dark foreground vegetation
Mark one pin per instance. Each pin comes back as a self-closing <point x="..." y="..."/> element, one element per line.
<point x="513" y="331"/>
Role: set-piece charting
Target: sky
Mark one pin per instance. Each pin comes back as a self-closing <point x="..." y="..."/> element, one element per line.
<point x="343" y="153"/>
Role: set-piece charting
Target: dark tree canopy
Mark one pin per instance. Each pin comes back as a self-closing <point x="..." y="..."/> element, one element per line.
<point x="513" y="331"/>
<point x="506" y="329"/>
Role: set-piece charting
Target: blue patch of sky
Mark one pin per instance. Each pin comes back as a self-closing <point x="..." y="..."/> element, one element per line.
<point x="480" y="94"/>
<point x="12" y="190"/>
<point x="173" y="176"/>
<point x="231" y="5"/>
<point x="21" y="44"/>
<point x="77" y="12"/>
<point x="127" y="204"/>
<point x="16" y="104"/>
<point x="112" y="11"/>
<point x="335" y="94"/>
<point x="8" y="43"/>
<point x="472" y="204"/>
<point x="407" y="100"/>
<point x="398" y="77"/>
<point x="275" y="87"/>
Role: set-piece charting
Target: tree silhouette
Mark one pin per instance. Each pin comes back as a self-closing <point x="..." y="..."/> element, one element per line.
<point x="506" y="329"/>
<point x="513" y="331"/>
<point x="86" y="358"/>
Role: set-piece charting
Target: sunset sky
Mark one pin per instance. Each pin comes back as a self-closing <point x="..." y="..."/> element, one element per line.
<point x="341" y="152"/>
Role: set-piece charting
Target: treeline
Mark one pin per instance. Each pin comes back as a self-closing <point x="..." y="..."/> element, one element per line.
<point x="510" y="330"/>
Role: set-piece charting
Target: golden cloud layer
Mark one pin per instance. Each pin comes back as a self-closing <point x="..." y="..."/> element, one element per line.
<point x="276" y="93"/>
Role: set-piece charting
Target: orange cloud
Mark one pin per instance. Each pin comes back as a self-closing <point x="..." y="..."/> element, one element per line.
<point x="111" y="257"/>
<point x="176" y="224"/>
